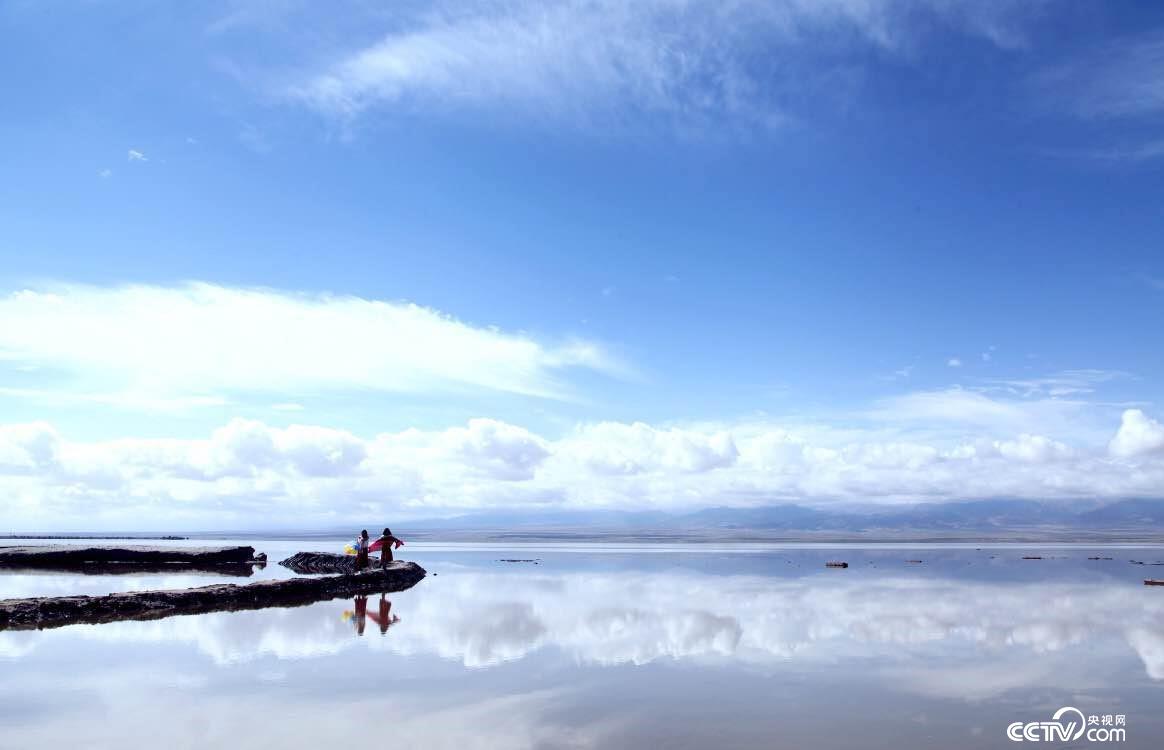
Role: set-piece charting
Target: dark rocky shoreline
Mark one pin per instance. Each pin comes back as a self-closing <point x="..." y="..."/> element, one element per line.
<point x="231" y="570"/>
<point x="54" y="612"/>
<point x="60" y="556"/>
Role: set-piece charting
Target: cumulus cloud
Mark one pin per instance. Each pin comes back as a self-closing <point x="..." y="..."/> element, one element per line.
<point x="1138" y="434"/>
<point x="27" y="447"/>
<point x="485" y="448"/>
<point x="616" y="448"/>
<point x="154" y="344"/>
<point x="247" y="471"/>
<point x="1033" y="448"/>
<point x="580" y="59"/>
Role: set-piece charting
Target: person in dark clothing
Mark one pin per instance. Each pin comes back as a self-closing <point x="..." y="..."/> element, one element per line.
<point x="387" y="544"/>
<point x="362" y="551"/>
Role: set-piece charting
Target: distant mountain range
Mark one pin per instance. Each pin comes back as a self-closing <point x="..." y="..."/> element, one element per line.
<point x="985" y="519"/>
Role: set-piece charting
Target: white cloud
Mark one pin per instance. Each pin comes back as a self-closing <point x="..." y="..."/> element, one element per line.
<point x="1033" y="448"/>
<point x="955" y="405"/>
<point x="612" y="448"/>
<point x="150" y="344"/>
<point x="953" y="362"/>
<point x="105" y="173"/>
<point x="135" y="155"/>
<point x="602" y="59"/>
<point x="248" y="472"/>
<point x="1138" y="434"/>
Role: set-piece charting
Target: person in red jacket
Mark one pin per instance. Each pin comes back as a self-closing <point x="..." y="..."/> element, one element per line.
<point x="387" y="543"/>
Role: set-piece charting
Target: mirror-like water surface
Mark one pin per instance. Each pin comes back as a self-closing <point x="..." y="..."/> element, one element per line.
<point x="616" y="647"/>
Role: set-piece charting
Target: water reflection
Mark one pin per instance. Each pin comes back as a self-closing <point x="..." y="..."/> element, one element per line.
<point x="382" y="616"/>
<point x="590" y="653"/>
<point x="481" y="619"/>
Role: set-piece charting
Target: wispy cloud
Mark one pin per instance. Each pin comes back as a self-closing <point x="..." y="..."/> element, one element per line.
<point x="953" y="362"/>
<point x="1124" y="78"/>
<point x="1065" y="383"/>
<point x="1147" y="151"/>
<point x="105" y="173"/>
<point x="583" y="60"/>
<point x="135" y="155"/>
<point x="149" y="342"/>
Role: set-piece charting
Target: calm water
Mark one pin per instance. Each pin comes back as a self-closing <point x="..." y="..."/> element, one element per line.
<point x="616" y="647"/>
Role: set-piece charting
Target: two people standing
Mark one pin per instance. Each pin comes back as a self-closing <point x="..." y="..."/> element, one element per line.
<point x="385" y="543"/>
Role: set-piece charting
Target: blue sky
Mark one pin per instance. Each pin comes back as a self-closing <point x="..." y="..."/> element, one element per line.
<point x="857" y="224"/>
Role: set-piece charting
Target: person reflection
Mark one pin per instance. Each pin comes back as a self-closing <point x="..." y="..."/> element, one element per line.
<point x="361" y="614"/>
<point x="385" y="619"/>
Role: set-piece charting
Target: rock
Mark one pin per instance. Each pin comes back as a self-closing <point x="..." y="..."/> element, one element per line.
<point x="836" y="564"/>
<point x="79" y="557"/>
<point x="54" y="612"/>
<point x="234" y="570"/>
<point x="324" y="562"/>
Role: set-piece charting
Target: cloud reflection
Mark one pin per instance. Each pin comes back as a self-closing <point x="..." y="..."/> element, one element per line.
<point x="481" y="619"/>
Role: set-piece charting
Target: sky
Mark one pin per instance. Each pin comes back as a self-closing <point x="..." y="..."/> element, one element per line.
<point x="297" y="264"/>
